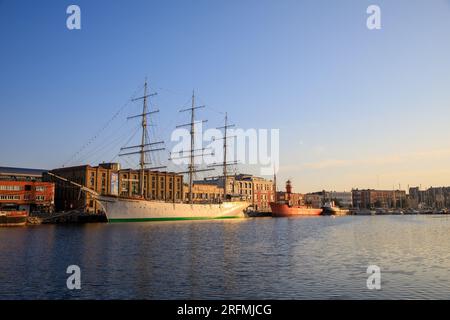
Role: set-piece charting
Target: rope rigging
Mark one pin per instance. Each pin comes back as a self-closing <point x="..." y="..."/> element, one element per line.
<point x="103" y="128"/>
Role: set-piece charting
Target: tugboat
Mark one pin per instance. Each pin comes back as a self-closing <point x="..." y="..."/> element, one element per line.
<point x="330" y="209"/>
<point x="13" y="218"/>
<point x="289" y="207"/>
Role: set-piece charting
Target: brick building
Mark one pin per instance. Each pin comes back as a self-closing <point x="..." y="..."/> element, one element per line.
<point x="341" y="198"/>
<point x="314" y="200"/>
<point x="23" y="189"/>
<point x="204" y="192"/>
<point x="110" y="179"/>
<point x="263" y="193"/>
<point x="370" y="198"/>
<point x="256" y="190"/>
<point x="433" y="198"/>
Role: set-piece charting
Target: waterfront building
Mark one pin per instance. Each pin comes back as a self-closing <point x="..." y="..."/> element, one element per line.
<point x="23" y="189"/>
<point x="433" y="198"/>
<point x="158" y="185"/>
<point x="21" y="174"/>
<point x="263" y="193"/>
<point x="438" y="197"/>
<point x="314" y="200"/>
<point x="204" y="192"/>
<point x="110" y="179"/>
<point x="256" y="190"/>
<point x="370" y="198"/>
<point x="342" y="199"/>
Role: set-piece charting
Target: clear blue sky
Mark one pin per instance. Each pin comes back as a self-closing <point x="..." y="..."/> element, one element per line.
<point x="355" y="108"/>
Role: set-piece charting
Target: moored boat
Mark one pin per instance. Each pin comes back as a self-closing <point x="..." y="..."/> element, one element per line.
<point x="137" y="210"/>
<point x="13" y="218"/>
<point x="292" y="205"/>
<point x="285" y="210"/>
<point x="330" y="209"/>
<point x="144" y="207"/>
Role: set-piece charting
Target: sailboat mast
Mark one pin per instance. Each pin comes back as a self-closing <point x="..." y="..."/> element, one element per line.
<point x="192" y="154"/>
<point x="191" y="164"/>
<point x="143" y="140"/>
<point x="225" y="163"/>
<point x="145" y="145"/>
<point x="225" y="181"/>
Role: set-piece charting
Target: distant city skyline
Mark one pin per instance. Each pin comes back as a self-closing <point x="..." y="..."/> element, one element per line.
<point x="356" y="108"/>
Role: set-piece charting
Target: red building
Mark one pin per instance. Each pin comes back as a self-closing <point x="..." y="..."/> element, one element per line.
<point x="263" y="193"/>
<point x="23" y="189"/>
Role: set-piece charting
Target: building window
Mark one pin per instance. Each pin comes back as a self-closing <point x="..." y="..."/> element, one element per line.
<point x="103" y="182"/>
<point x="11" y="188"/>
<point x="9" y="197"/>
<point x="92" y="179"/>
<point x="134" y="188"/>
<point x="135" y="185"/>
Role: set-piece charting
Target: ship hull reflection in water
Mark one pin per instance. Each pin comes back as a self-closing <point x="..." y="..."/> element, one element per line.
<point x="289" y="258"/>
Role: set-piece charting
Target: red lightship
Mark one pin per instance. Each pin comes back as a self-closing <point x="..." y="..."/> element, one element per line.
<point x="290" y="206"/>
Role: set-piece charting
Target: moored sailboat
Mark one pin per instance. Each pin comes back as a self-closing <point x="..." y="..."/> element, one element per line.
<point x="139" y="208"/>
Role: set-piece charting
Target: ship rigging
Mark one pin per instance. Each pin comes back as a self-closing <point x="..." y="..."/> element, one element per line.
<point x="131" y="209"/>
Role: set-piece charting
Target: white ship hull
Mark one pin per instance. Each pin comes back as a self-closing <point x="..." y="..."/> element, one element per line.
<point x="135" y="210"/>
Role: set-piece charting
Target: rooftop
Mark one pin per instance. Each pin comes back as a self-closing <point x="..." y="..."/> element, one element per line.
<point x="11" y="171"/>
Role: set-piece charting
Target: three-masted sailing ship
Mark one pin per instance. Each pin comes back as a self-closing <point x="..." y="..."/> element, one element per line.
<point x="122" y="209"/>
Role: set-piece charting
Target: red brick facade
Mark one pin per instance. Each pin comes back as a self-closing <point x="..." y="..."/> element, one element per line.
<point x="30" y="195"/>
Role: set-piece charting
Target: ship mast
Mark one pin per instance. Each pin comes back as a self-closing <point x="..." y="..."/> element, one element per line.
<point x="225" y="147"/>
<point x="225" y="163"/>
<point x="144" y="131"/>
<point x="225" y="153"/>
<point x="192" y="155"/>
<point x="144" y="139"/>
<point x="191" y="162"/>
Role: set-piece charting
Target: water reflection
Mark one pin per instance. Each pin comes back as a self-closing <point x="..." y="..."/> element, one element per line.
<point x="299" y="258"/>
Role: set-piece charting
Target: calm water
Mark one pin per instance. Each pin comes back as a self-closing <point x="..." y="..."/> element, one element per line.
<point x="299" y="258"/>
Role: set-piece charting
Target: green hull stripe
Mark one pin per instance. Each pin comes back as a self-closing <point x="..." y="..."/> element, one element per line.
<point x="171" y="219"/>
